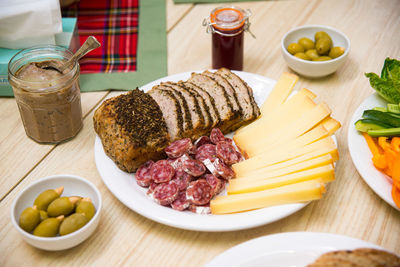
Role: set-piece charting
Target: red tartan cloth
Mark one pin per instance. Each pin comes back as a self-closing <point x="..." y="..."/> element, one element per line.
<point x="114" y="23"/>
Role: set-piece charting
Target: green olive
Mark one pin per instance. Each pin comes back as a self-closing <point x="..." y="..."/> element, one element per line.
<point x="29" y="219"/>
<point x="86" y="207"/>
<point x="43" y="200"/>
<point x="43" y="215"/>
<point x="49" y="227"/>
<point x="323" y="45"/>
<point x="73" y="223"/>
<point x="62" y="206"/>
<point x="306" y="43"/>
<point x="302" y="56"/>
<point x="312" y="53"/>
<point x="322" y="58"/>
<point x="336" y="51"/>
<point x="294" y="48"/>
<point x="321" y="34"/>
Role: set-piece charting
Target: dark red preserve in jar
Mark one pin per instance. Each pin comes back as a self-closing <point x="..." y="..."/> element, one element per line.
<point x="227" y="25"/>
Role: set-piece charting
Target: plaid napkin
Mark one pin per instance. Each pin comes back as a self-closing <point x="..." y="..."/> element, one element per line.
<point x="133" y="38"/>
<point x="115" y="25"/>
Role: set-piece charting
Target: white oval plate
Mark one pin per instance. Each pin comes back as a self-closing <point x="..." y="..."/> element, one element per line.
<point x="294" y="249"/>
<point x="124" y="187"/>
<point x="362" y="156"/>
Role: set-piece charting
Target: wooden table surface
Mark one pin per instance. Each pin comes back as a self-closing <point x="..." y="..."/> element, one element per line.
<point x="123" y="237"/>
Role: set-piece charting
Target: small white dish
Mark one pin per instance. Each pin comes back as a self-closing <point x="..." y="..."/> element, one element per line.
<point x="362" y="156"/>
<point x="295" y="249"/>
<point x="73" y="186"/>
<point x="314" y="69"/>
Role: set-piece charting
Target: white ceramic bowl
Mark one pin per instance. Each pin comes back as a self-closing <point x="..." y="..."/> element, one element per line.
<point x="314" y="69"/>
<point x="73" y="186"/>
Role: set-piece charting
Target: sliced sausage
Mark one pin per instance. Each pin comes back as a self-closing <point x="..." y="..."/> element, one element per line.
<point x="165" y="193"/>
<point x="178" y="148"/>
<point x="180" y="203"/>
<point x="199" y="192"/>
<point x="227" y="153"/>
<point x="143" y="174"/>
<point x="194" y="167"/>
<point x="162" y="171"/>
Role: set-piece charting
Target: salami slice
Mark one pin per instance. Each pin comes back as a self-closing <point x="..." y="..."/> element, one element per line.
<point x="199" y="192"/>
<point x="150" y="191"/>
<point x="216" y="184"/>
<point x="222" y="170"/>
<point x="178" y="148"/>
<point x="200" y="209"/>
<point x="227" y="153"/>
<point x="182" y="180"/>
<point x="202" y="141"/>
<point x="165" y="193"/>
<point x="143" y="174"/>
<point x="194" y="167"/>
<point x="162" y="171"/>
<point x="216" y="136"/>
<point x="207" y="151"/>
<point x="178" y="163"/>
<point x="180" y="203"/>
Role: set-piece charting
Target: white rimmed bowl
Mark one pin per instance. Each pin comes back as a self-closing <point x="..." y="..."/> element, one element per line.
<point x="73" y="186"/>
<point x="314" y="69"/>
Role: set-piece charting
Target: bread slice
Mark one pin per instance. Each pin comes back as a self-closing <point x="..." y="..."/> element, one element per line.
<point x="132" y="129"/>
<point x="210" y="102"/>
<point x="244" y="93"/>
<point x="193" y="106"/>
<point x="357" y="258"/>
<point x="171" y="110"/>
<point x="221" y="98"/>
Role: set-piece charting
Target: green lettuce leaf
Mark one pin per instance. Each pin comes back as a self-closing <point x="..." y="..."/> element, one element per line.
<point x="388" y="85"/>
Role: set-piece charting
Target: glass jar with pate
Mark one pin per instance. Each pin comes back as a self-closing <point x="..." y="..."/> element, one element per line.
<point x="227" y="25"/>
<point x="49" y="102"/>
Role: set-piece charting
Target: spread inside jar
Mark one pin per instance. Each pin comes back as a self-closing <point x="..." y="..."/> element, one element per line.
<point x="48" y="101"/>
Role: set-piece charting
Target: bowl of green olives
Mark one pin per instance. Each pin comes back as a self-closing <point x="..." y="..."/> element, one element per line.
<point x="315" y="50"/>
<point x="57" y="212"/>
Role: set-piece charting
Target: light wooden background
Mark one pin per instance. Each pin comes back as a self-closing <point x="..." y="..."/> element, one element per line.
<point x="123" y="237"/>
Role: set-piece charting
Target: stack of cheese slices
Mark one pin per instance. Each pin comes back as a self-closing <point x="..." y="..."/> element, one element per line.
<point x="289" y="152"/>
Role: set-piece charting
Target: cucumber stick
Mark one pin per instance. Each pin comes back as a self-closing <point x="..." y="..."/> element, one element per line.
<point x="388" y="118"/>
<point x="364" y="125"/>
<point x="384" y="132"/>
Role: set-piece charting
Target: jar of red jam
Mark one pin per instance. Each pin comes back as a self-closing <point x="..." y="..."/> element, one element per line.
<point x="227" y="25"/>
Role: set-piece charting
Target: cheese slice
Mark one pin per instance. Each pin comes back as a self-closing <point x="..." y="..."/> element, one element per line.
<point x="294" y="193"/>
<point x="245" y="185"/>
<point x="264" y="173"/>
<point x="306" y="122"/>
<point x="283" y="115"/>
<point x="279" y="93"/>
<point x="331" y="125"/>
<point x="266" y="159"/>
<point x="288" y="163"/>
<point x="309" y="137"/>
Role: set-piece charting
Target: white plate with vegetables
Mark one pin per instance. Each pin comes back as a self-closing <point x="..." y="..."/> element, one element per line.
<point x="294" y="249"/>
<point x="388" y="88"/>
<point x="125" y="188"/>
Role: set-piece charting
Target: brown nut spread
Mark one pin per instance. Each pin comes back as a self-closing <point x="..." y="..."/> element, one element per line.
<point x="48" y="101"/>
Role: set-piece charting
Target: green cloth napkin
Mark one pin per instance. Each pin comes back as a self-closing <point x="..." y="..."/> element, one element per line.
<point x="151" y="54"/>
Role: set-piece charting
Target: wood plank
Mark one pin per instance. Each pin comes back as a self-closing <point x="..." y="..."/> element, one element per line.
<point x="349" y="206"/>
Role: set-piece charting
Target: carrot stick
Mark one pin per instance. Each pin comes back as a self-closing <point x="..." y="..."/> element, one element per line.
<point x="382" y="141"/>
<point x="395" y="144"/>
<point x="371" y="144"/>
<point x="396" y="196"/>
